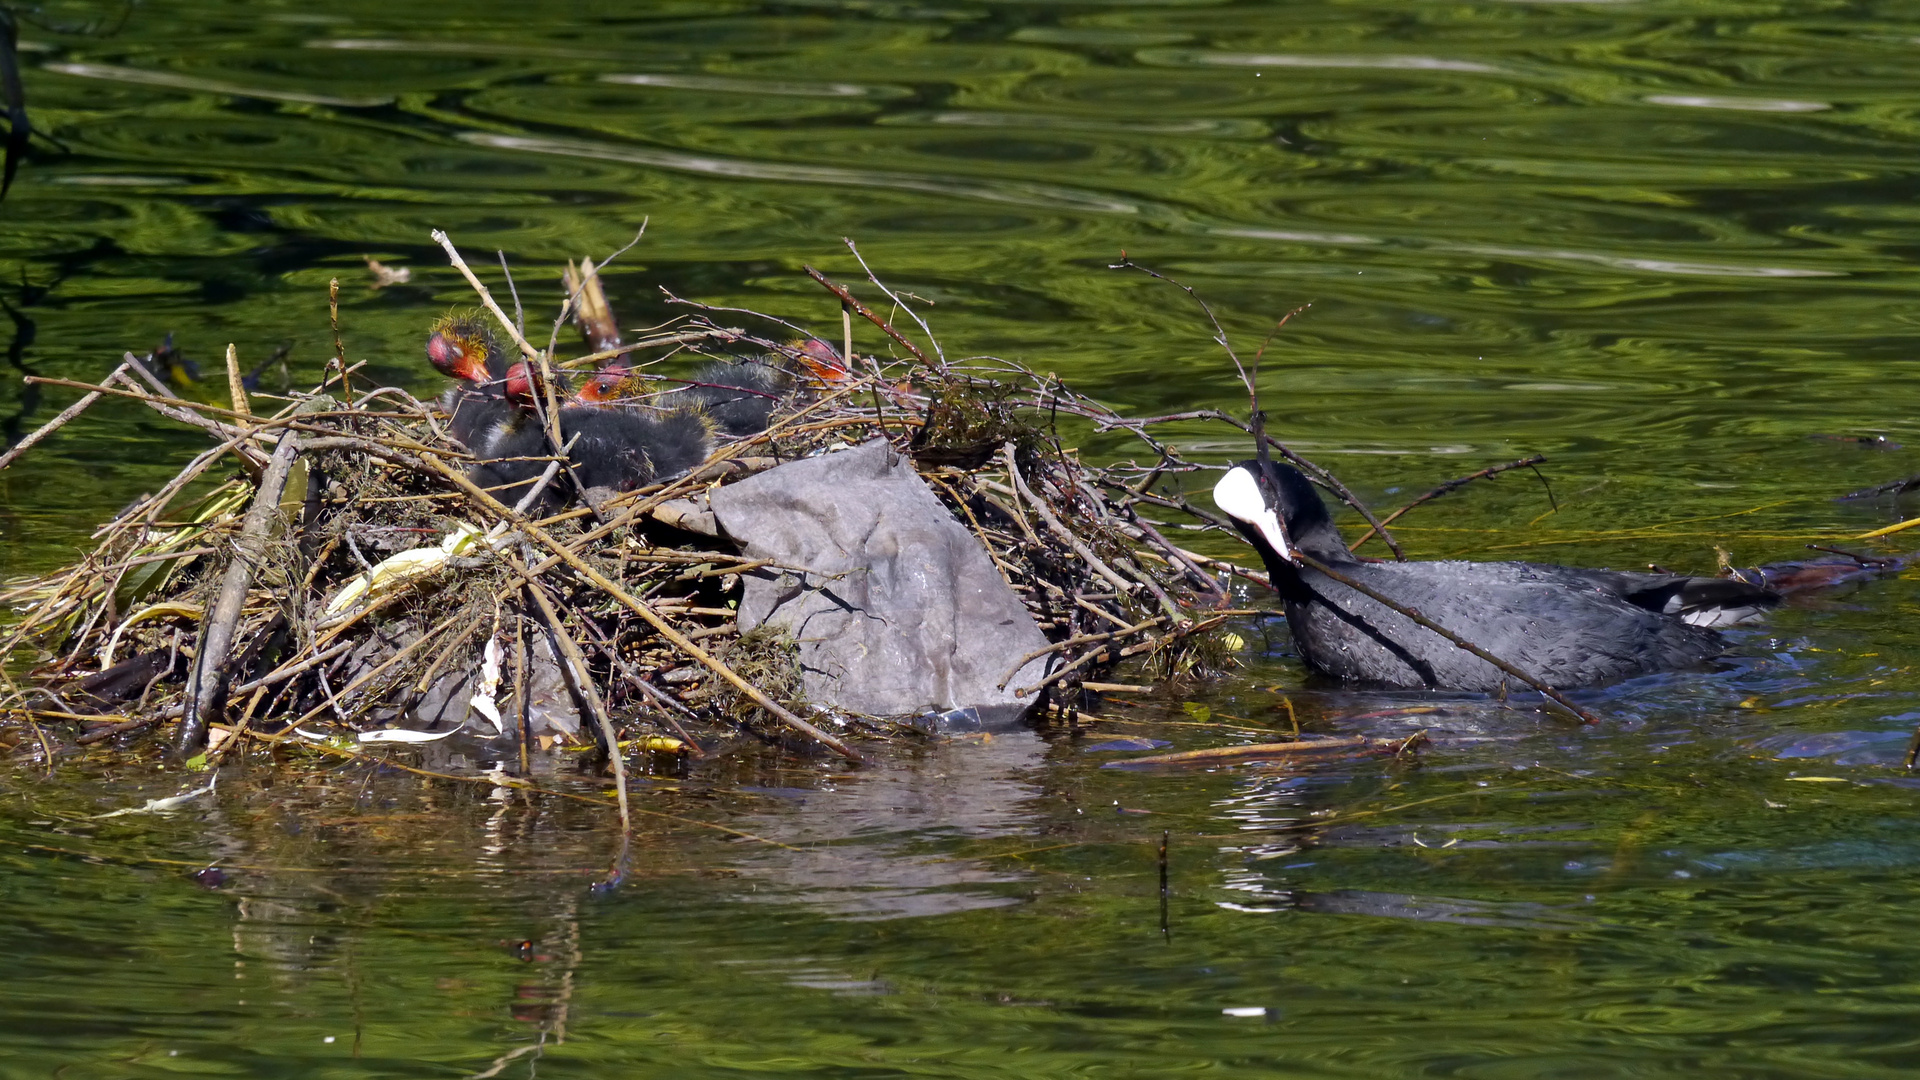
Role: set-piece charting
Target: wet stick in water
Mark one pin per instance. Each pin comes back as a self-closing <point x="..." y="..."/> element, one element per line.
<point x="1166" y="836"/>
<point x="582" y="678"/>
<point x="1225" y="755"/>
<point x="520" y="703"/>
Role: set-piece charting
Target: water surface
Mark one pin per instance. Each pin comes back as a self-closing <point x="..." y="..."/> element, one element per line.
<point x="1666" y="243"/>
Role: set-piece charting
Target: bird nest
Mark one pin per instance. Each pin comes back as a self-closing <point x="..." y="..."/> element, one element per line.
<point x="350" y="582"/>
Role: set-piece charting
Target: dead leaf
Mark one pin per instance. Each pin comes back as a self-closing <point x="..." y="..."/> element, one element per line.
<point x="384" y="275"/>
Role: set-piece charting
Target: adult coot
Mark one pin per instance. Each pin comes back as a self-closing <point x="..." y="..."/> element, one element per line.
<point x="1565" y="626"/>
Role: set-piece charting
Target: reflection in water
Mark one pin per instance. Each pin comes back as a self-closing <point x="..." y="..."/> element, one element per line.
<point x="860" y="848"/>
<point x="1198" y="57"/>
<point x="1665" y="266"/>
<point x="1697" y="101"/>
<point x="757" y="86"/>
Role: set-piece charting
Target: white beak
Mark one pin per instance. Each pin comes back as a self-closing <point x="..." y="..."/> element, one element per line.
<point x="1238" y="496"/>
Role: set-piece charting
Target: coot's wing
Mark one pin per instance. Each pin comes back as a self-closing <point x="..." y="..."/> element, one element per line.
<point x="1698" y="601"/>
<point x="1563" y="625"/>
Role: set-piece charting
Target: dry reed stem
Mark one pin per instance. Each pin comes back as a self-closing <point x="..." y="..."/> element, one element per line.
<point x="236" y="388"/>
<point x="479" y="287"/>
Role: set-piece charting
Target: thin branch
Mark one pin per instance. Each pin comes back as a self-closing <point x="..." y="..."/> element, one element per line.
<point x="911" y="314"/>
<point x="866" y="313"/>
<point x="13" y="452"/>
<point x="486" y="297"/>
<point x="1219" y="332"/>
<point x="519" y="317"/>
<point x="1449" y="486"/>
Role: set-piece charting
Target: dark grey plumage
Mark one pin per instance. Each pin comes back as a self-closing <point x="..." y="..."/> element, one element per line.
<point x="514" y="453"/>
<point x="473" y="414"/>
<point x="739" y="395"/>
<point x="616" y="449"/>
<point x="622" y="448"/>
<point x="615" y="446"/>
<point x="1566" y="626"/>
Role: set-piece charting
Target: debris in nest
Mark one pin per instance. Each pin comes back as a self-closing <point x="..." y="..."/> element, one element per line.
<point x="377" y="562"/>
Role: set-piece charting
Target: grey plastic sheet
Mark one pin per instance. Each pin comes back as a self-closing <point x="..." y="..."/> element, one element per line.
<point x="896" y="608"/>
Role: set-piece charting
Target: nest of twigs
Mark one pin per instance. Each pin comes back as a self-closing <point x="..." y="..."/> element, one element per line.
<point x="214" y="606"/>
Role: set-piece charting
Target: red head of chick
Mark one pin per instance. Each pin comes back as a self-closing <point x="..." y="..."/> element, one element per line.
<point x="520" y="385"/>
<point x="462" y="346"/>
<point x="524" y="387"/>
<point x="822" y="359"/>
<point x="610" y="383"/>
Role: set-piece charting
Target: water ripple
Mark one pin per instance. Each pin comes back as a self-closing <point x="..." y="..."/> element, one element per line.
<point x="788" y="88"/>
<point x="1208" y="58"/>
<point x="1048" y="196"/>
<point x="176" y="81"/>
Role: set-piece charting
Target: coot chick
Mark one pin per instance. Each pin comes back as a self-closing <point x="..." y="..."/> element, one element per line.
<point x="512" y="445"/>
<point x="622" y="449"/>
<point x="612" y="448"/>
<point x="462" y="347"/>
<point x="739" y="395"/>
<point x="1565" y="626"/>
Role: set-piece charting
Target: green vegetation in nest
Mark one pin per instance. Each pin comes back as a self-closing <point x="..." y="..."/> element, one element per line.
<point x="968" y="420"/>
<point x="767" y="657"/>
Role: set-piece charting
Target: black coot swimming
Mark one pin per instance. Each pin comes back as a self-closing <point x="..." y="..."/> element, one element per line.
<point x="1565" y="626"/>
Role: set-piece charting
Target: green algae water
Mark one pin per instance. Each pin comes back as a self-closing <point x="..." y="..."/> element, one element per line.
<point x="1666" y="243"/>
